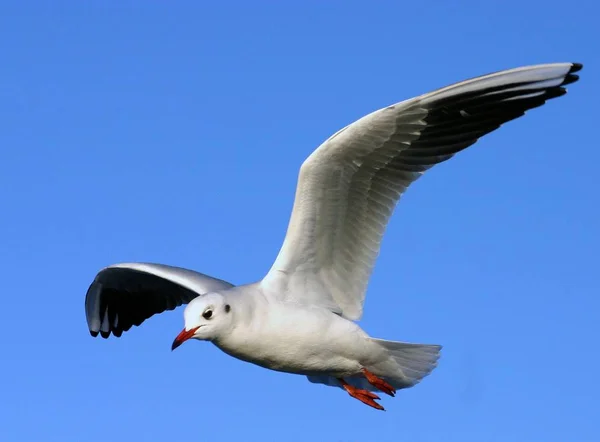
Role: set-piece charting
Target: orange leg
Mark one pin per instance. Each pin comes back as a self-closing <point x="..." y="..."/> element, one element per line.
<point x="379" y="383"/>
<point x="365" y="396"/>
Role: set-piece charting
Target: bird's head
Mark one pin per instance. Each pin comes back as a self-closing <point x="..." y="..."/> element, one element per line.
<point x="206" y="318"/>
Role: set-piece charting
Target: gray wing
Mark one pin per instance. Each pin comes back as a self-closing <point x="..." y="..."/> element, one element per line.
<point x="348" y="187"/>
<point x="124" y="295"/>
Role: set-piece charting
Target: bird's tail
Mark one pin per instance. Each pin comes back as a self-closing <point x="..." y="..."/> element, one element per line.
<point x="404" y="367"/>
<point x="413" y="361"/>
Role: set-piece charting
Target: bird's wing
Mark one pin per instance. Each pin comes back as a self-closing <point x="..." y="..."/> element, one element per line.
<point x="123" y="295"/>
<point x="348" y="187"/>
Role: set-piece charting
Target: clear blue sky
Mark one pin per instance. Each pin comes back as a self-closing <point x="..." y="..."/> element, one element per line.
<point x="173" y="133"/>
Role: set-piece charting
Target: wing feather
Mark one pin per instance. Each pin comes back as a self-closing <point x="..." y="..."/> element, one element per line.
<point x="349" y="187"/>
<point x="124" y="295"/>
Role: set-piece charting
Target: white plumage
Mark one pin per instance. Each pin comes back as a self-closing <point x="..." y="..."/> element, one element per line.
<point x="298" y="318"/>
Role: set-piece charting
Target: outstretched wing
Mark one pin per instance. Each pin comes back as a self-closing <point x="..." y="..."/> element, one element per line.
<point x="348" y="188"/>
<point x="123" y="295"/>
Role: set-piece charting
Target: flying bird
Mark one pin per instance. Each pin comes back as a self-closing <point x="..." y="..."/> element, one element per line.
<point x="300" y="318"/>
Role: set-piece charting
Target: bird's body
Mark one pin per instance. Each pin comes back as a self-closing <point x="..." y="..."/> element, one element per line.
<point x="300" y="317"/>
<point x="292" y="338"/>
<point x="309" y="340"/>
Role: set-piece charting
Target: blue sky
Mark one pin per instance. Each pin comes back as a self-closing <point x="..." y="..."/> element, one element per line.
<point x="173" y="133"/>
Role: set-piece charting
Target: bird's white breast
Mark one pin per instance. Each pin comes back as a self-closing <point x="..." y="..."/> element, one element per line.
<point x="296" y="339"/>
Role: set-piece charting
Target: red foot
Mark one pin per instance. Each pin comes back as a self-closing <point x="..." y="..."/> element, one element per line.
<point x="365" y="396"/>
<point x="379" y="383"/>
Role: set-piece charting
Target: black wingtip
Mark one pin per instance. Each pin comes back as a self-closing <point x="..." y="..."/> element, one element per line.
<point x="554" y="93"/>
<point x="571" y="78"/>
<point x="117" y="333"/>
<point x="576" y="67"/>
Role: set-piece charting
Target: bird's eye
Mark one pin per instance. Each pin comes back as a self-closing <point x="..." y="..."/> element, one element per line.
<point x="207" y="314"/>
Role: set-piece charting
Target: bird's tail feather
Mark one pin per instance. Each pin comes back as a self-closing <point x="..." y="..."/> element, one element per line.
<point x="406" y="365"/>
<point x="414" y="361"/>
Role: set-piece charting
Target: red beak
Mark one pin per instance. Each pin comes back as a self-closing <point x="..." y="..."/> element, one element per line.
<point x="183" y="336"/>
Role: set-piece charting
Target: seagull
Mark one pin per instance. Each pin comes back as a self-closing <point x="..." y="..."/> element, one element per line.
<point x="301" y="317"/>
